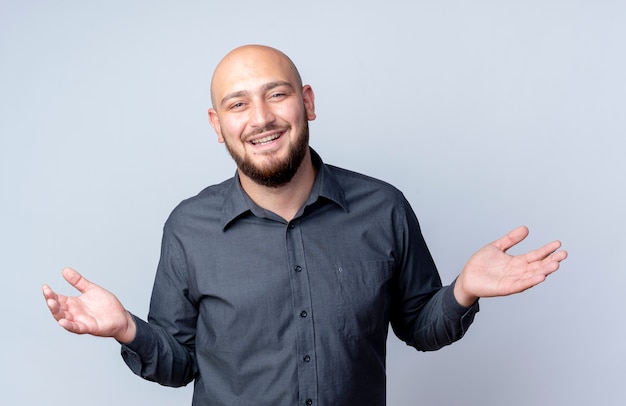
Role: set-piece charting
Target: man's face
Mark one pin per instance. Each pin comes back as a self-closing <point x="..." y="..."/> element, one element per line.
<point x="261" y="112"/>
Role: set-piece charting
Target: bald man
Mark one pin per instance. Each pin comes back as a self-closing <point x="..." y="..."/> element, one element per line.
<point x="277" y="286"/>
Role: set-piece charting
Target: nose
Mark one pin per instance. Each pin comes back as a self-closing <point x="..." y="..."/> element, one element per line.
<point x="261" y="114"/>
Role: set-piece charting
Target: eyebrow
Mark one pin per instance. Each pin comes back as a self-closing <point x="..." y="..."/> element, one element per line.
<point x="264" y="88"/>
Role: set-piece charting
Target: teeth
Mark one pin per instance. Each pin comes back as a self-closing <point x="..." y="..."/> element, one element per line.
<point x="265" y="140"/>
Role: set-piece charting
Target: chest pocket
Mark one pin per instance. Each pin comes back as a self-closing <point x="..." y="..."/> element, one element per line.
<point x="363" y="297"/>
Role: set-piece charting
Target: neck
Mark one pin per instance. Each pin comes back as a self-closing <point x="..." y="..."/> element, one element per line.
<point x="284" y="200"/>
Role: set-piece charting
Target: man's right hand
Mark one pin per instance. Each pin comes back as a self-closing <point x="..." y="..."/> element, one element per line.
<point x="95" y="311"/>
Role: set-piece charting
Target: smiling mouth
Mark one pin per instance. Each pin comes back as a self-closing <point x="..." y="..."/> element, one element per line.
<point x="267" y="139"/>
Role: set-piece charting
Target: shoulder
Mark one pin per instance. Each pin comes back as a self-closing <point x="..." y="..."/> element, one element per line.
<point x="355" y="183"/>
<point x="205" y="205"/>
<point x="372" y="197"/>
<point x="374" y="202"/>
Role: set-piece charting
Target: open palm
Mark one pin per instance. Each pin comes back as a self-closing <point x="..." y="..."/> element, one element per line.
<point x="95" y="311"/>
<point x="492" y="272"/>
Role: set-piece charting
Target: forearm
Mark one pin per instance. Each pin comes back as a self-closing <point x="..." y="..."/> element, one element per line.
<point x="441" y="321"/>
<point x="155" y="355"/>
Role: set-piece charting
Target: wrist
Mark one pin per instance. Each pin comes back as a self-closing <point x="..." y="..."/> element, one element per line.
<point x="464" y="298"/>
<point x="128" y="334"/>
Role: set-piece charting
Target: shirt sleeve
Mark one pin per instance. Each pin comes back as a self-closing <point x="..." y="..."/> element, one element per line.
<point x="441" y="321"/>
<point x="163" y="349"/>
<point x="424" y="314"/>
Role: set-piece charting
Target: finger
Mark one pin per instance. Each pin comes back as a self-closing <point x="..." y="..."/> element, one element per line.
<point x="512" y="238"/>
<point x="72" y="327"/>
<point x="76" y="279"/>
<point x="550" y="267"/>
<point x="553" y="262"/>
<point x="533" y="281"/>
<point x="54" y="305"/>
<point x="52" y="299"/>
<point x="549" y="264"/>
<point x="560" y="256"/>
<point x="48" y="293"/>
<point x="543" y="252"/>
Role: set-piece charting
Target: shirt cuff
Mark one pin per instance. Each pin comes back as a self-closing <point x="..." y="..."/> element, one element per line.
<point x="453" y="309"/>
<point x="144" y="342"/>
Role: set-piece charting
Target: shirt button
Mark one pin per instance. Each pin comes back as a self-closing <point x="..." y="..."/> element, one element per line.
<point x="298" y="268"/>
<point x="292" y="226"/>
<point x="306" y="358"/>
<point x="303" y="313"/>
<point x="309" y="402"/>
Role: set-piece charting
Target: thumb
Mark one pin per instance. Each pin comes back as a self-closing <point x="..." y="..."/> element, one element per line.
<point x="512" y="238"/>
<point x="76" y="279"/>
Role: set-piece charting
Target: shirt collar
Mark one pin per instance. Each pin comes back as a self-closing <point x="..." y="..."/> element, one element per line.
<point x="237" y="202"/>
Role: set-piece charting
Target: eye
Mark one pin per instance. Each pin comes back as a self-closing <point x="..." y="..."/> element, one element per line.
<point x="277" y="96"/>
<point x="237" y="106"/>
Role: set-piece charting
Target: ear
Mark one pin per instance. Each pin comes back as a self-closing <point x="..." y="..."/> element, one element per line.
<point x="308" y="97"/>
<point x="215" y="123"/>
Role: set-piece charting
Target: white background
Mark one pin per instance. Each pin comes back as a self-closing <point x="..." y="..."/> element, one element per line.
<point x="487" y="114"/>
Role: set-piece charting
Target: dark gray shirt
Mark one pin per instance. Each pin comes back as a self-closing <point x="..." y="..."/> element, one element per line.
<point x="261" y="311"/>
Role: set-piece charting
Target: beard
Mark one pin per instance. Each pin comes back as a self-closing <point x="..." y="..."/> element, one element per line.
<point x="278" y="172"/>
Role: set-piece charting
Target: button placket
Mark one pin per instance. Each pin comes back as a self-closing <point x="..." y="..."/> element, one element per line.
<point x="301" y="295"/>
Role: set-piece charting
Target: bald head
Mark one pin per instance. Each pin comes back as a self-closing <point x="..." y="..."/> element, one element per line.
<point x="247" y="62"/>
